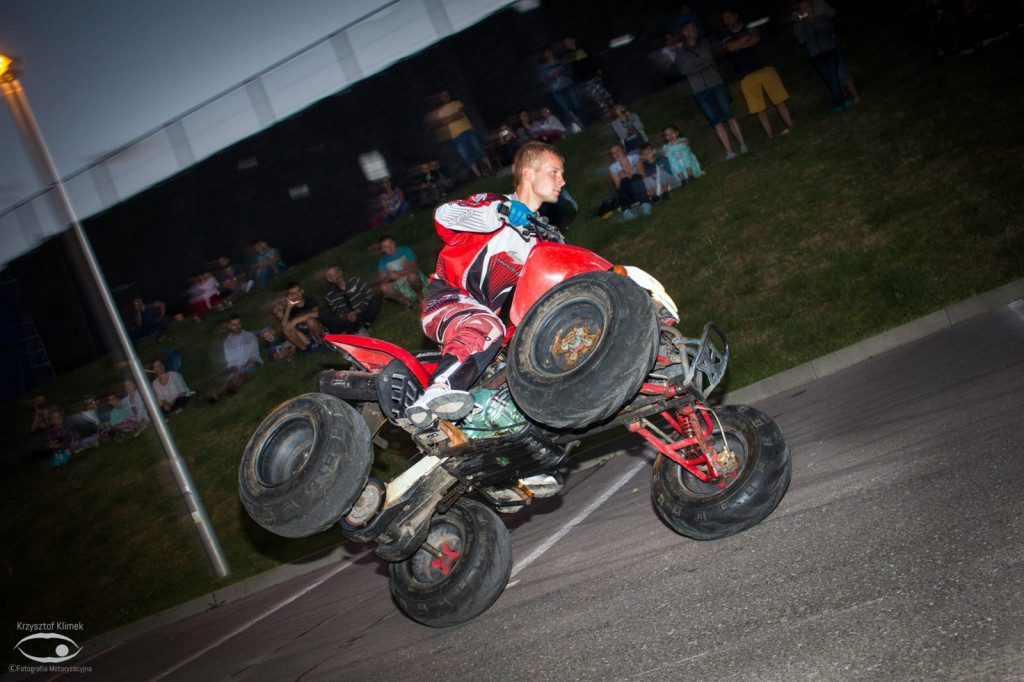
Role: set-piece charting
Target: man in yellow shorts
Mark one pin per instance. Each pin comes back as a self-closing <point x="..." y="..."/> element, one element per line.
<point x="757" y="77"/>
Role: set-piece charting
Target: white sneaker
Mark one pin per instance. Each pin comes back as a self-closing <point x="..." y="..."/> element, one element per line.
<point x="438" y="402"/>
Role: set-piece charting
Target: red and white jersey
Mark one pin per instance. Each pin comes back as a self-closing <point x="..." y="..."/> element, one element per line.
<point x="482" y="255"/>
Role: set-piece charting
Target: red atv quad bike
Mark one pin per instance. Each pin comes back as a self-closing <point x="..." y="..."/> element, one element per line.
<point x="591" y="347"/>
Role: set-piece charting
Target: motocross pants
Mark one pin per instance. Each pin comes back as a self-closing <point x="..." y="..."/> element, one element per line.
<point x="470" y="335"/>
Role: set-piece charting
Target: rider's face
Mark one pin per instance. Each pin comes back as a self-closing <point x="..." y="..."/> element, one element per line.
<point x="547" y="178"/>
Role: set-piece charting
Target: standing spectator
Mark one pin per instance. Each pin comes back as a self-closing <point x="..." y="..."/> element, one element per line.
<point x="450" y="122"/>
<point x="629" y="129"/>
<point x="300" y="321"/>
<point x="146" y="318"/>
<point x="681" y="159"/>
<point x="629" y="181"/>
<point x="392" y="201"/>
<point x="170" y="389"/>
<point x="757" y="78"/>
<point x="588" y="77"/>
<point x="398" y="273"/>
<point x="556" y="80"/>
<point x="353" y="305"/>
<point x="815" y="30"/>
<point x="696" y="62"/>
<point x="241" y="351"/>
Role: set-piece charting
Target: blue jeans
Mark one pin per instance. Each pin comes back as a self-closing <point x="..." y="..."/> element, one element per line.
<point x="714" y="102"/>
<point x="827" y="65"/>
<point x="567" y="101"/>
<point x="469" y="148"/>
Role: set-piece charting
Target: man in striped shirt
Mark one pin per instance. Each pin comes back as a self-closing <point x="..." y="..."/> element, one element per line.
<point x="353" y="304"/>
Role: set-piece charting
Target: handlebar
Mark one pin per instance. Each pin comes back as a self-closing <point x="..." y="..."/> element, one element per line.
<point x="538" y="226"/>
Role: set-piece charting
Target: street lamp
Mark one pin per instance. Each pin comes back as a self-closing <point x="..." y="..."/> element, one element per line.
<point x="33" y="139"/>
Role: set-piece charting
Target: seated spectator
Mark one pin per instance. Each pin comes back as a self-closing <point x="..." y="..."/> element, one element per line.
<point x="353" y="304"/>
<point x="628" y="128"/>
<point x="146" y="318"/>
<point x="300" y="321"/>
<point x="392" y="201"/>
<point x="203" y="294"/>
<point x="241" y="354"/>
<point x="629" y="181"/>
<point x="117" y="419"/>
<point x="398" y="274"/>
<point x="170" y="389"/>
<point x="277" y="347"/>
<point x="40" y="414"/>
<point x="265" y="264"/>
<point x="231" y="280"/>
<point x="657" y="177"/>
<point x="548" y="127"/>
<point x="132" y="401"/>
<point x="61" y="439"/>
<point x="525" y="129"/>
<point x="681" y="160"/>
<point x="506" y="144"/>
<point x="434" y="183"/>
<point x="89" y="417"/>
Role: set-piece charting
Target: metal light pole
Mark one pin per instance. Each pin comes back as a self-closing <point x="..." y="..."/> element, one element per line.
<point x="33" y="140"/>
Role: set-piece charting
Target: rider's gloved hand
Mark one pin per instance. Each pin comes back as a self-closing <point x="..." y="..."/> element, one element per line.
<point x="519" y="214"/>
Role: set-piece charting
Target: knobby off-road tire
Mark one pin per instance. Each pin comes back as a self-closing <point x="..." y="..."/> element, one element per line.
<point x="305" y="465"/>
<point x="704" y="511"/>
<point x="617" y="346"/>
<point x="475" y="578"/>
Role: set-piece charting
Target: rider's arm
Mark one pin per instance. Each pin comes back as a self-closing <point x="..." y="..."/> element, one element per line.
<point x="479" y="213"/>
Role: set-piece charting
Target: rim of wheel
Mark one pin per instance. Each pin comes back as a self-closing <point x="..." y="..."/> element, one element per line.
<point x="286" y="451"/>
<point x="698" y="487"/>
<point x="427" y="568"/>
<point x="568" y="336"/>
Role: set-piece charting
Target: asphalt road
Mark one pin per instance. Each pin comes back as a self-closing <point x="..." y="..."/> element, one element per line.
<point x="897" y="554"/>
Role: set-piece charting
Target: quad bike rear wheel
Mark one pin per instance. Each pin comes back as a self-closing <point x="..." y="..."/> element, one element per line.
<point x="305" y="465"/>
<point x="705" y="511"/>
<point x="583" y="350"/>
<point x="461" y="569"/>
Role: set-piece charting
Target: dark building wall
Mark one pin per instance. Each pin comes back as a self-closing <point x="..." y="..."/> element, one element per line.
<point x="149" y="244"/>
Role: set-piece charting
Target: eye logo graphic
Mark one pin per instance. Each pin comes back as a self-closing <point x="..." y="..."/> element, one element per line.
<point x="63" y="651"/>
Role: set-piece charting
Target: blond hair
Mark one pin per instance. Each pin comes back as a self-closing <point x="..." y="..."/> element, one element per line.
<point x="529" y="156"/>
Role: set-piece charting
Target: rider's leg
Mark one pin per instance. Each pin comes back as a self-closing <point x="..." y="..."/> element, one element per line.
<point x="470" y="335"/>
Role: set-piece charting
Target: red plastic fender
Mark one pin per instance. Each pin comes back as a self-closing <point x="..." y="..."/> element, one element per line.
<point x="547" y="265"/>
<point x="375" y="354"/>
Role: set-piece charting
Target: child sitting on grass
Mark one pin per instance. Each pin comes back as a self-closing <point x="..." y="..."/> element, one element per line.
<point x="658" y="178"/>
<point x="681" y="160"/>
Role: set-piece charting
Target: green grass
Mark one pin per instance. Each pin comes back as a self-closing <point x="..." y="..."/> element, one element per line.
<point x="851" y="225"/>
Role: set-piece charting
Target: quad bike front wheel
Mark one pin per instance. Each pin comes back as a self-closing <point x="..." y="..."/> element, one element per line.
<point x="583" y="350"/>
<point x="461" y="569"/>
<point x="305" y="465"/>
<point x="706" y="511"/>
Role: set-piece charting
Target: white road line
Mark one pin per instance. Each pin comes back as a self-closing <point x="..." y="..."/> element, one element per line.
<point x="252" y="621"/>
<point x="1018" y="307"/>
<point x="578" y="520"/>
